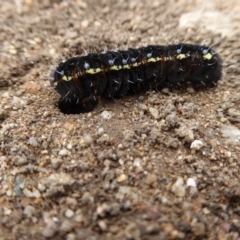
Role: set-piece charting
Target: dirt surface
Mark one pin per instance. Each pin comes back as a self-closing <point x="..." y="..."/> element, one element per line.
<point x="159" y="165"/>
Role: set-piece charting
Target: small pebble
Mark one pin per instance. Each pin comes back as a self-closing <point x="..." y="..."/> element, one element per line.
<point x="87" y="138"/>
<point x="123" y="177"/>
<point x="85" y="23"/>
<point x="63" y="152"/>
<point x="102" y="224"/>
<point x="151" y="179"/>
<point x="33" y="141"/>
<point x="103" y="139"/>
<point x="56" y="163"/>
<point x="100" y="130"/>
<point x="178" y="189"/>
<point x="106" y="115"/>
<point x="69" y="213"/>
<point x="154" y="112"/>
<point x="29" y="211"/>
<point x="196" y="145"/>
<point x="6" y="211"/>
<point x="27" y="193"/>
<point x="136" y="162"/>
<point x="198" y="229"/>
<point x="191" y="183"/>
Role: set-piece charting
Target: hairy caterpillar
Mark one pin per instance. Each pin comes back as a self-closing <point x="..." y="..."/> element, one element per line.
<point x="81" y="80"/>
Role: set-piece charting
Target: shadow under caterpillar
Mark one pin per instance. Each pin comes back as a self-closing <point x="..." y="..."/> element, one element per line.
<point x="112" y="74"/>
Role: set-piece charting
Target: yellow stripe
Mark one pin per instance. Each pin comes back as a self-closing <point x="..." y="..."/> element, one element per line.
<point x="136" y="64"/>
<point x="181" y="56"/>
<point x="94" y="70"/>
<point x="208" y="56"/>
<point x="154" y="59"/>
<point x="126" y="66"/>
<point x="115" y="67"/>
<point x="66" y="78"/>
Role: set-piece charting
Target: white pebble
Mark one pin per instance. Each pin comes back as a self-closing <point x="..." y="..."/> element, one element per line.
<point x="154" y="112"/>
<point x="228" y="154"/>
<point x="63" y="152"/>
<point x="69" y="146"/>
<point x="120" y="161"/>
<point x="85" y="23"/>
<point x="196" y="145"/>
<point x="102" y="224"/>
<point x="106" y="115"/>
<point x="88" y="138"/>
<point x="136" y="162"/>
<point x="69" y="213"/>
<point x="100" y="130"/>
<point x="191" y="183"/>
<point x="33" y="141"/>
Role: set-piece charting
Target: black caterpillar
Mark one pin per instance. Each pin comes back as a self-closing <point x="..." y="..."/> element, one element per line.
<point x="81" y="80"/>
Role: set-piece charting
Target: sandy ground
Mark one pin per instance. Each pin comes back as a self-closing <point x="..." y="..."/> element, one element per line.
<point x="132" y="175"/>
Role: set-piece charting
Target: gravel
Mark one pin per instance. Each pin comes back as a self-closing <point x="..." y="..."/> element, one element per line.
<point x="155" y="165"/>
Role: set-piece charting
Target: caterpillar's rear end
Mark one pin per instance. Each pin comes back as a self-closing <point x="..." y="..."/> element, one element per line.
<point x="81" y="80"/>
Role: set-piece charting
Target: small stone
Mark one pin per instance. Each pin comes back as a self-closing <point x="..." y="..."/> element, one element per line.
<point x="198" y="229"/>
<point x="69" y="146"/>
<point x="152" y="228"/>
<point x="120" y="161"/>
<point x="87" y="138"/>
<point x="63" y="152"/>
<point x="191" y="183"/>
<point x="100" y="131"/>
<point x="71" y="236"/>
<point x="178" y="189"/>
<point x="196" y="145"/>
<point x="151" y="179"/>
<point x="36" y="193"/>
<point x="137" y="162"/>
<point x="113" y="229"/>
<point x="50" y="229"/>
<point x="66" y="225"/>
<point x="19" y="185"/>
<point x="33" y="141"/>
<point x="123" y="177"/>
<point x="154" y="112"/>
<point x="41" y="187"/>
<point x="172" y="142"/>
<point x="172" y="120"/>
<point x="102" y="224"/>
<point x="190" y="90"/>
<point x="9" y="192"/>
<point x="153" y="214"/>
<point x="56" y="163"/>
<point x="228" y="154"/>
<point x="106" y="115"/>
<point x="102" y="210"/>
<point x="87" y="198"/>
<point x="85" y="23"/>
<point x="29" y="211"/>
<point x="3" y="158"/>
<point x="27" y="193"/>
<point x="6" y="211"/>
<point x="103" y="139"/>
<point x="69" y="213"/>
<point x="165" y="201"/>
<point x="46" y="114"/>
